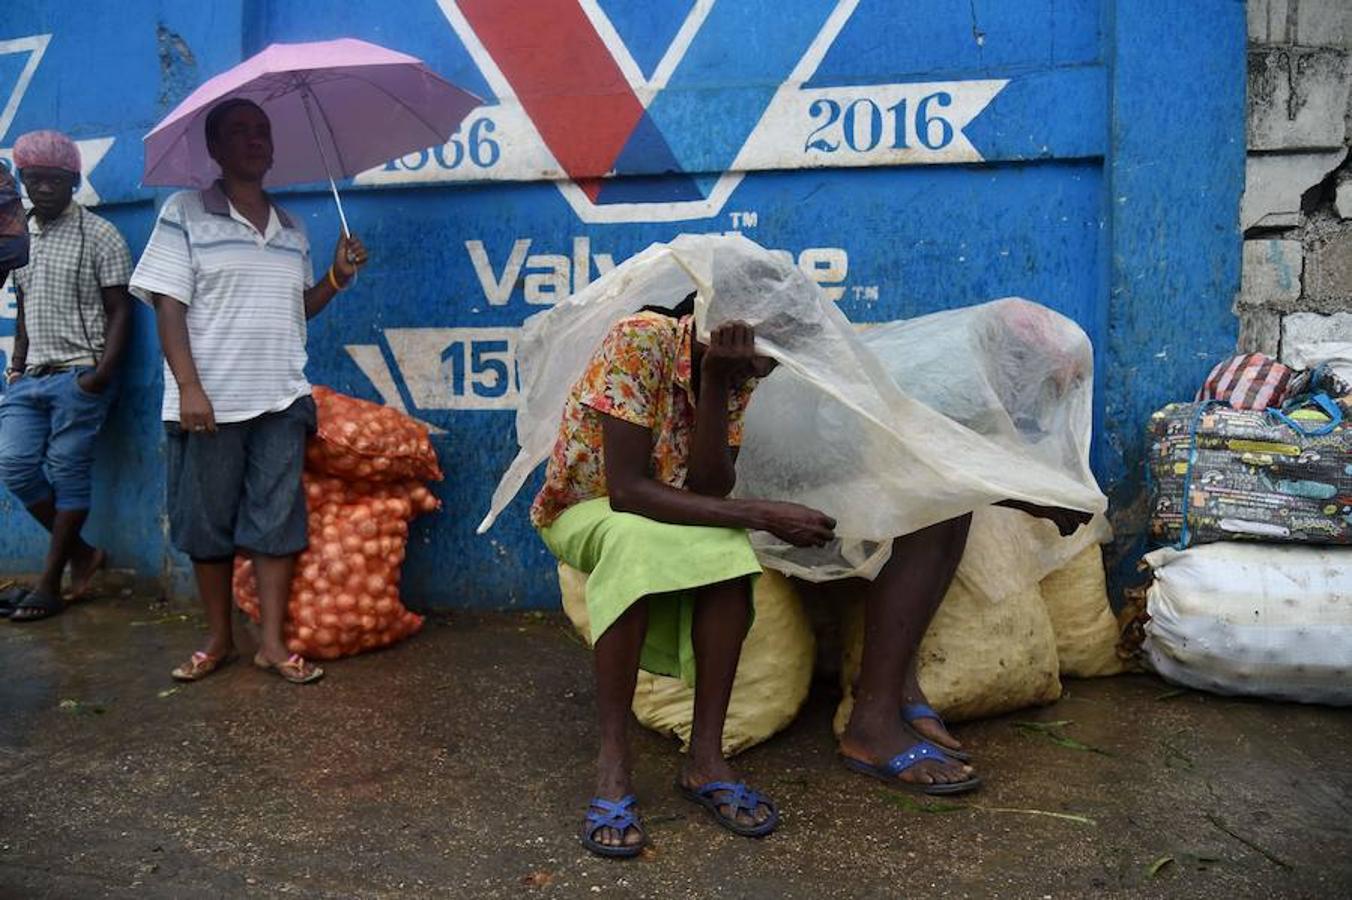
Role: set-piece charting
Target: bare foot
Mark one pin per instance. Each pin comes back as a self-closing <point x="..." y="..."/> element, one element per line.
<point x="82" y="572"/>
<point x="697" y="773"/>
<point x="930" y="729"/>
<point x="613" y="784"/>
<point x="878" y="742"/>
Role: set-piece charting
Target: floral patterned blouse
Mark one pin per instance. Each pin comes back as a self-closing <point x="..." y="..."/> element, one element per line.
<point x="641" y="374"/>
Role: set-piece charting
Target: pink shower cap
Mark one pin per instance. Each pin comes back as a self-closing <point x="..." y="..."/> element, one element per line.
<point x="50" y="149"/>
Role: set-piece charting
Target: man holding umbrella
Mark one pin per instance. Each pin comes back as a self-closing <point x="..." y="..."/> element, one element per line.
<point x="229" y="275"/>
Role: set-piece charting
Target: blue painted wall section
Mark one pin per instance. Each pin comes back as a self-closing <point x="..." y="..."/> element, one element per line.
<point x="1175" y="176"/>
<point x="914" y="156"/>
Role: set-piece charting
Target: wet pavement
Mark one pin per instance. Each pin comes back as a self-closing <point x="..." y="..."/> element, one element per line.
<point x="456" y="765"/>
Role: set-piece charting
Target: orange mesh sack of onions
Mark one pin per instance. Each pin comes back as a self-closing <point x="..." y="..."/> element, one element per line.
<point x="360" y="440"/>
<point x="345" y="593"/>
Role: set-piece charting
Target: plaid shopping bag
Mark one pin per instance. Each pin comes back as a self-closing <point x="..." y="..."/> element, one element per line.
<point x="1248" y="381"/>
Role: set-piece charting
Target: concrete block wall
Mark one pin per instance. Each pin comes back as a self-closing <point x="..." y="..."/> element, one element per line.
<point x="1296" y="216"/>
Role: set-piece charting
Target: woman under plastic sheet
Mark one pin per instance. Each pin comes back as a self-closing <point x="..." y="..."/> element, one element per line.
<point x="639" y="493"/>
<point x="635" y="494"/>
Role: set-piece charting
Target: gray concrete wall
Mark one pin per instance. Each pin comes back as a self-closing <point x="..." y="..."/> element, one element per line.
<point x="1297" y="210"/>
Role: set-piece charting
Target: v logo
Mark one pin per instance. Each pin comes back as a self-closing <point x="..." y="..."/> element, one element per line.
<point x="576" y="80"/>
<point x="92" y="150"/>
<point x="35" y="47"/>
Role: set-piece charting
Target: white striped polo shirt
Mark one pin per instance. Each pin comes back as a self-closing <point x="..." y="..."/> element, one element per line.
<point x="245" y="297"/>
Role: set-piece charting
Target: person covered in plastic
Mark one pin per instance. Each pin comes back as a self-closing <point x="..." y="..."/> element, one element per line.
<point x="1014" y="375"/>
<point x="636" y="495"/>
<point x="228" y="273"/>
<point x="73" y="325"/>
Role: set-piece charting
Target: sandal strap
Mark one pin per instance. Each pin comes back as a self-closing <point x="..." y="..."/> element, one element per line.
<point x="914" y="711"/>
<point x="617" y="814"/>
<point x="918" y="753"/>
<point x="741" y="796"/>
<point x="295" y="663"/>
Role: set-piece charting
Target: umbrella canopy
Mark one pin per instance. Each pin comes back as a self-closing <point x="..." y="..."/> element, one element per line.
<point x="337" y="109"/>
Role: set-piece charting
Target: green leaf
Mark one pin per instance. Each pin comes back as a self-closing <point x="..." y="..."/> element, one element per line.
<point x="1159" y="864"/>
<point x="1069" y="817"/>
<point x="1169" y="695"/>
<point x="910" y="804"/>
<point x="1044" y="726"/>
<point x="80" y="708"/>
<point x="1048" y="730"/>
<point x="164" y="620"/>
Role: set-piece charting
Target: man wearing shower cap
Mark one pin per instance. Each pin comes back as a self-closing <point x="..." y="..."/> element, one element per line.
<point x="73" y="319"/>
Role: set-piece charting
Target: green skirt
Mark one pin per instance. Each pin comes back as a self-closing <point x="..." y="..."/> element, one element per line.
<point x="628" y="557"/>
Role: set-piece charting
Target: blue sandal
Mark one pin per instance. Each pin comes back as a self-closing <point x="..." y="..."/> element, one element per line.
<point x="913" y="712"/>
<point x="738" y="796"/>
<point x="617" y="814"/>
<point x="918" y="753"/>
<point x="10" y="598"/>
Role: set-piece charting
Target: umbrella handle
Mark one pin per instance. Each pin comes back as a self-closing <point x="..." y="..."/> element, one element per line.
<point x="338" y="200"/>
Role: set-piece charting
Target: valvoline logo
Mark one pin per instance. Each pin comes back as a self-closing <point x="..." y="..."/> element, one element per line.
<point x="642" y="115"/>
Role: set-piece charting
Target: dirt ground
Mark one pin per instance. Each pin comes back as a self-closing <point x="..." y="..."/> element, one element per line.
<point x="457" y="764"/>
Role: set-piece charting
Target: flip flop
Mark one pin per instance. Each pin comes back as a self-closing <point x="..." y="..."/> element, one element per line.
<point x="294" y="669"/>
<point x="617" y="814"/>
<point x="11" y="597"/>
<point x="918" y="753"/>
<point x="739" y="797"/>
<point x="913" y="712"/>
<point x="42" y="607"/>
<point x="200" y="665"/>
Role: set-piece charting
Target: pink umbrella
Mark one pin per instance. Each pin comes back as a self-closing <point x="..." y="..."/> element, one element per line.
<point x="337" y="108"/>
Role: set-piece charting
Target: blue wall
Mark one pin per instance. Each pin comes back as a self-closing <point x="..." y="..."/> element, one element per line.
<point x="1084" y="153"/>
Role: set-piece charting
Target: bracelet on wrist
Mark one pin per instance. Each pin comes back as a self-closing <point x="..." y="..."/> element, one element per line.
<point x="333" y="280"/>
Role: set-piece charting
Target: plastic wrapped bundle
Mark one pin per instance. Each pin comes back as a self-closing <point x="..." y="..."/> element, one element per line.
<point x="830" y="428"/>
<point x="1254" y="619"/>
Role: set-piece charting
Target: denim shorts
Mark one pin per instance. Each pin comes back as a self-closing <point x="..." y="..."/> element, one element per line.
<point x="48" y="424"/>
<point x="239" y="489"/>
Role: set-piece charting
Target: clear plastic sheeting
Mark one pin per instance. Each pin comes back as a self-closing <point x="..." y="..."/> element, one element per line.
<point x="886" y="432"/>
<point x="1011" y="383"/>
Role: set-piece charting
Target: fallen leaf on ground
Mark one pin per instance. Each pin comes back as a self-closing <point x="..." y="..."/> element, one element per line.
<point x="1159" y="864"/>
<point x="164" y="620"/>
<point x="1068" y="817"/>
<point x="76" y="706"/>
<point x="1048" y="730"/>
<point x="938" y="806"/>
<point x="912" y="805"/>
<point x="538" y="879"/>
